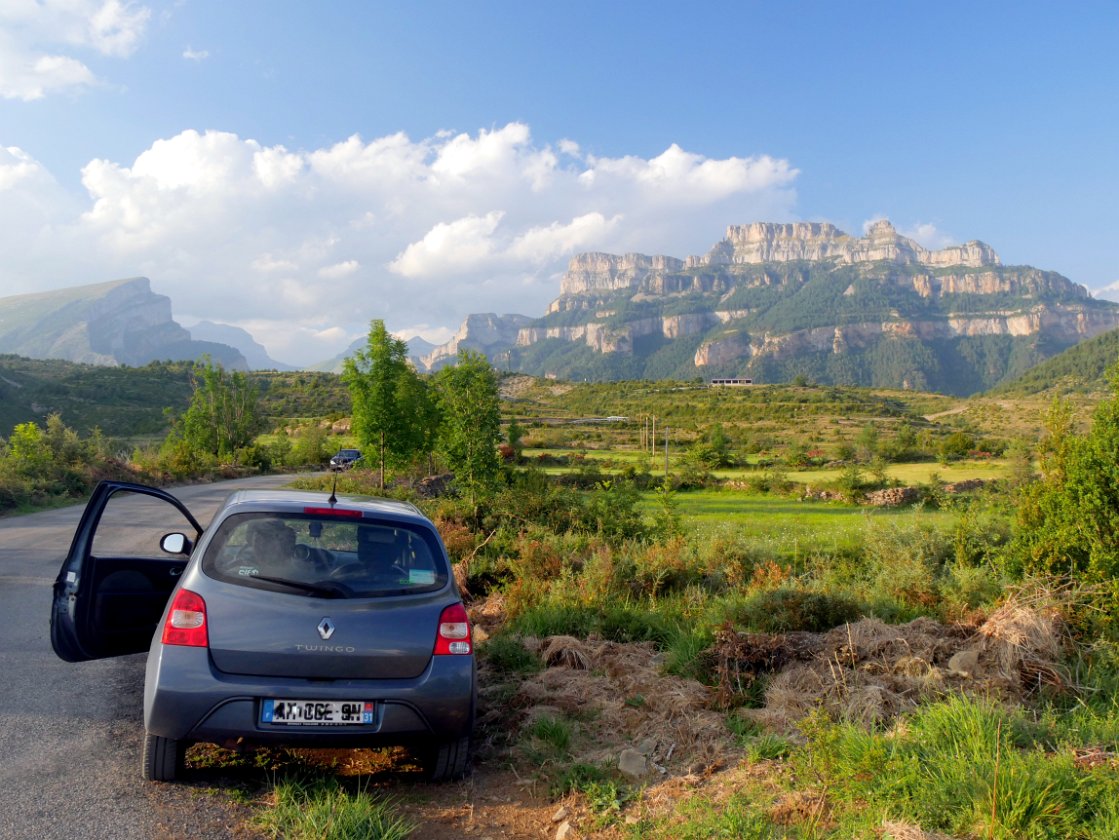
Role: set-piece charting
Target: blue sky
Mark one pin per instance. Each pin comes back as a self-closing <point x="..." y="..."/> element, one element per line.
<point x="300" y="168"/>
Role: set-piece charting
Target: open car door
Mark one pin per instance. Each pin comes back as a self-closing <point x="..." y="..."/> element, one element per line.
<point x="115" y="581"/>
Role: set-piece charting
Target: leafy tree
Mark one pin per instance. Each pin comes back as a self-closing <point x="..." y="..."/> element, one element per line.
<point x="514" y="434"/>
<point x="1069" y="519"/>
<point x="469" y="403"/>
<point x="956" y="446"/>
<point x="713" y="449"/>
<point x="223" y="415"/>
<point x="391" y="405"/>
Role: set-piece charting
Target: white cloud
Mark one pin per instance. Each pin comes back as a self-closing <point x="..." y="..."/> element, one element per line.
<point x="339" y="270"/>
<point x="17" y="167"/>
<point x="461" y="245"/>
<point x="38" y="41"/>
<point x="310" y="245"/>
<point x="192" y="54"/>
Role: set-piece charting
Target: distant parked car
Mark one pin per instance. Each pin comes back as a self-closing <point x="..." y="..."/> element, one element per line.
<point x="345" y="459"/>
<point x="293" y="618"/>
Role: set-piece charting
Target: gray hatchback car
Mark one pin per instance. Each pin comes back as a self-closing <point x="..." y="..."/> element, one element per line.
<point x="294" y="617"/>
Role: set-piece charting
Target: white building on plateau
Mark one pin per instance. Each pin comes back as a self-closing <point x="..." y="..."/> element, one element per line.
<point x="731" y="383"/>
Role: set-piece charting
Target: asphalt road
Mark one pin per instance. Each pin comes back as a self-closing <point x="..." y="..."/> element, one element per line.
<point x="70" y="734"/>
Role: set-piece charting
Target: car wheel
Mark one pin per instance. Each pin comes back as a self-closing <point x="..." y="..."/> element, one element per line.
<point x="448" y="760"/>
<point x="163" y="758"/>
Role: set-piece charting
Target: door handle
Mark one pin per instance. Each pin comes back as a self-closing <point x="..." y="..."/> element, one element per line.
<point x="175" y="571"/>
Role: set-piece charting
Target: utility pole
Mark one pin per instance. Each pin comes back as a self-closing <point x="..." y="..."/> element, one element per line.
<point x="666" y="452"/>
<point x="653" y="438"/>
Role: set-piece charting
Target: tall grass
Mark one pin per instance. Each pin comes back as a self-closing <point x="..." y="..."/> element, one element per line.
<point x="966" y="767"/>
<point x="321" y="808"/>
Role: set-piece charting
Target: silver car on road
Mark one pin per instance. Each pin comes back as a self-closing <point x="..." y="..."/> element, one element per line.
<point x="294" y="617"/>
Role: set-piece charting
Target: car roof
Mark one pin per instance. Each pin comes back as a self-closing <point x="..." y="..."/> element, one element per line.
<point x="294" y="501"/>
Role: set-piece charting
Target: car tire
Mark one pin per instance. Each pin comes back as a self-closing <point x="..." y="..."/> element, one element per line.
<point x="163" y="758"/>
<point x="449" y="760"/>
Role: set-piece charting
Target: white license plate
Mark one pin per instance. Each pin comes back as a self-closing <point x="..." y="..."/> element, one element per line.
<point x="316" y="712"/>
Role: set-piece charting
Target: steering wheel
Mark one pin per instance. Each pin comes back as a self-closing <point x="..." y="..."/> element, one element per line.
<point x="348" y="570"/>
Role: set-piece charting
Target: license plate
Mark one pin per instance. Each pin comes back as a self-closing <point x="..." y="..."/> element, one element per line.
<point x="316" y="712"/>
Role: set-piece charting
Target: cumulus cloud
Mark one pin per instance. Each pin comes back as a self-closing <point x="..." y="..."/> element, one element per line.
<point x="191" y="54"/>
<point x="305" y="247"/>
<point x="38" y="41"/>
<point x="339" y="270"/>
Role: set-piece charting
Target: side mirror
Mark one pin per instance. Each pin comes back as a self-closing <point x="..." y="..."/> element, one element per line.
<point x="176" y="544"/>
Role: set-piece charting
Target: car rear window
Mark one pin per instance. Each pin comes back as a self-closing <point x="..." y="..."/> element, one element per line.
<point x="326" y="556"/>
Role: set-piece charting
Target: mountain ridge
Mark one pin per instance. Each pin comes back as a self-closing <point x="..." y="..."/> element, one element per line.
<point x="119" y="322"/>
<point x="778" y="301"/>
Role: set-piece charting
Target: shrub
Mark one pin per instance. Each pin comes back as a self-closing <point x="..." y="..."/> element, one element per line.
<point x="785" y="610"/>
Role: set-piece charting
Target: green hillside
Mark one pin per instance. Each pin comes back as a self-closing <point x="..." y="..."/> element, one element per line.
<point x="129" y="402"/>
<point x="1080" y="369"/>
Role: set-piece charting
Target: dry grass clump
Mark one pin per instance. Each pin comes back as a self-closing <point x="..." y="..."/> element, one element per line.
<point x="621" y="699"/>
<point x="904" y="831"/>
<point x="870" y="672"/>
<point x="1026" y="637"/>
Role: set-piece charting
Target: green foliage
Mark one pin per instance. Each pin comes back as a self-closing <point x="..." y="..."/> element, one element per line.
<point x="1082" y="368"/>
<point x="965" y="767"/>
<point x="784" y="610"/>
<point x="1069" y="520"/>
<point x="393" y="414"/>
<point x="311" y="446"/>
<point x="506" y="654"/>
<point x="39" y="465"/>
<point x="223" y="416"/>
<point x="712" y="450"/>
<point x="470" y="409"/>
<point x="323" y="809"/>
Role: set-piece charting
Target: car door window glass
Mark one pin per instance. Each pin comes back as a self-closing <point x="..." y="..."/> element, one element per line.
<point x="132" y="525"/>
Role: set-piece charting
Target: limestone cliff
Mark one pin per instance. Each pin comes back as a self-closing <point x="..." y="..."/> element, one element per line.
<point x="771" y="300"/>
<point x="120" y="322"/>
<point x="762" y="242"/>
<point x="488" y="333"/>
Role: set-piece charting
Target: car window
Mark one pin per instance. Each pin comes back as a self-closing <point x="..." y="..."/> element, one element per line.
<point x="325" y="555"/>
<point x="132" y="524"/>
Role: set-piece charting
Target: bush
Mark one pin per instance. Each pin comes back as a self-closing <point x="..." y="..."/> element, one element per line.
<point x="785" y="610"/>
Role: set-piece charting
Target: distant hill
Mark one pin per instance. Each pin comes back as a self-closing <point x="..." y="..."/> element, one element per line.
<point x="116" y="323"/>
<point x="779" y="302"/>
<point x="129" y="402"/>
<point x="1080" y="369"/>
<point x="418" y="350"/>
<point x="256" y="356"/>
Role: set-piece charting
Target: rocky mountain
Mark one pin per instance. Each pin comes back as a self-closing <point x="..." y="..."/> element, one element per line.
<point x="121" y="322"/>
<point x="255" y="353"/>
<point x="490" y="334"/>
<point x="777" y="301"/>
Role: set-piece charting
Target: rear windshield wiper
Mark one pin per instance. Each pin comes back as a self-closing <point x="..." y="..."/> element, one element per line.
<point x="309" y="588"/>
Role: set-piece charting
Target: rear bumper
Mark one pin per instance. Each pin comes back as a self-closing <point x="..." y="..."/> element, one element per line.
<point x="186" y="698"/>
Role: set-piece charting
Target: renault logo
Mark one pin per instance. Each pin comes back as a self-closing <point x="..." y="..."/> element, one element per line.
<point x="326" y="628"/>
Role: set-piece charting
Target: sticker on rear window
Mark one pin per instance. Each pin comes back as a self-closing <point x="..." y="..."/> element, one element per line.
<point x="421" y="576"/>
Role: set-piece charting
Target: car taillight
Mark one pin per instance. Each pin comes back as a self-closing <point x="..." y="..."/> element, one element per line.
<point x="186" y="621"/>
<point x="454" y="632"/>
<point x="332" y="511"/>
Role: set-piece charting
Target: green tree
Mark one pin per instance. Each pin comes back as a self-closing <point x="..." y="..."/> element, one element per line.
<point x="224" y="413"/>
<point x="1069" y="519"/>
<point x="391" y="405"/>
<point x="514" y="435"/>
<point x="470" y="427"/>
